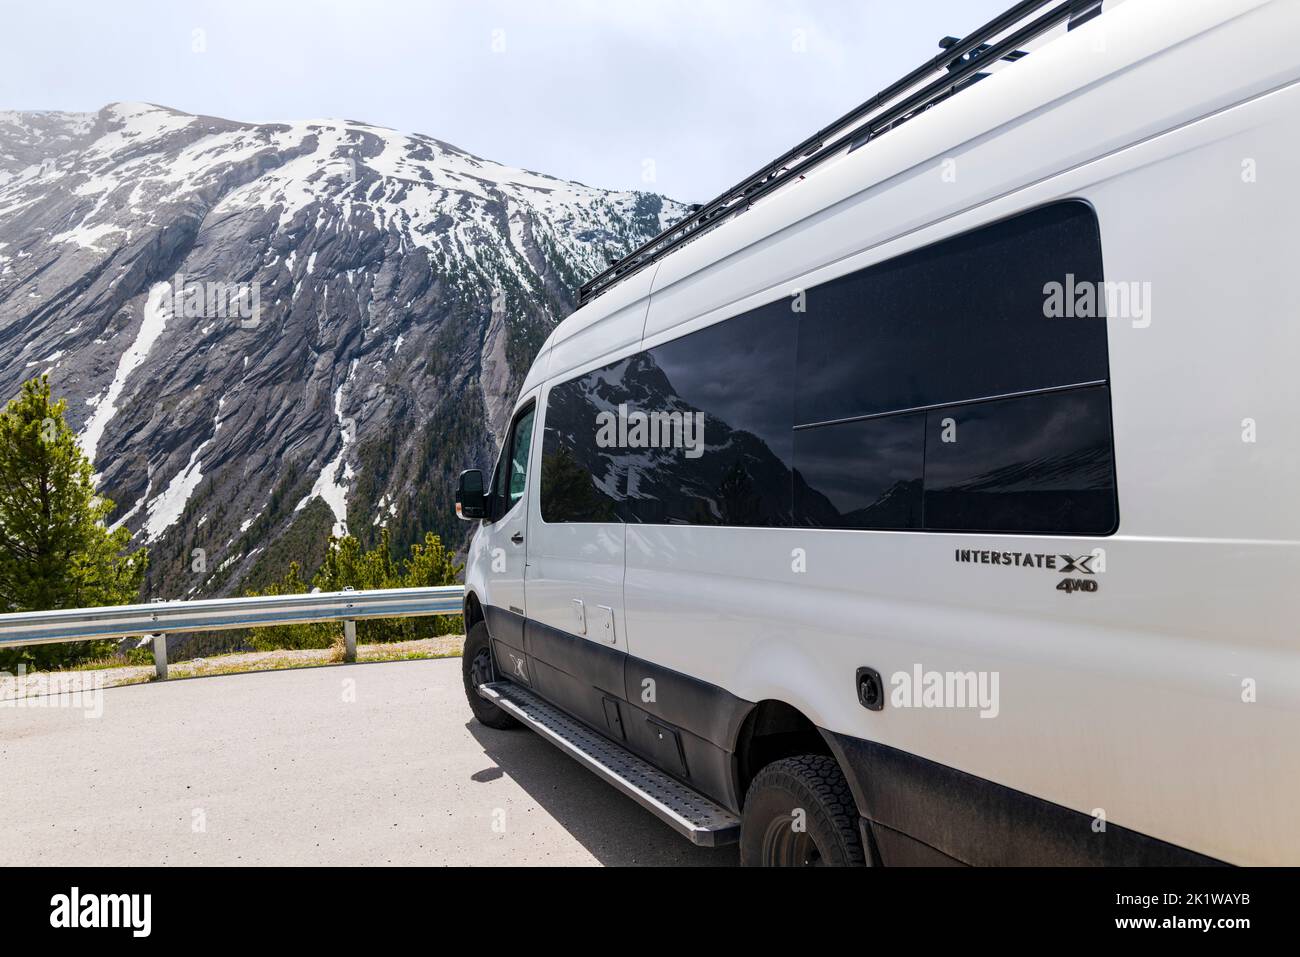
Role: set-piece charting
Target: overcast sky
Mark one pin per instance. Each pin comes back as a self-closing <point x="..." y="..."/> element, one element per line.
<point x="694" y="93"/>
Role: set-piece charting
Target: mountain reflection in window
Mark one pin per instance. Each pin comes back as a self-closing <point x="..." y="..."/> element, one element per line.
<point x="863" y="474"/>
<point x="883" y="357"/>
<point x="1040" y="463"/>
<point x="737" y="375"/>
<point x="582" y="482"/>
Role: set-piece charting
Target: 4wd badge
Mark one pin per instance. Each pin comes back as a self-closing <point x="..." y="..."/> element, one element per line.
<point x="1056" y="562"/>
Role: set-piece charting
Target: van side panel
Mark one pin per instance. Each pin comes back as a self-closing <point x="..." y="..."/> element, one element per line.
<point x="1164" y="703"/>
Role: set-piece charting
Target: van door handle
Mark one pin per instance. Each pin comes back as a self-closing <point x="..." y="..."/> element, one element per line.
<point x="517" y="538"/>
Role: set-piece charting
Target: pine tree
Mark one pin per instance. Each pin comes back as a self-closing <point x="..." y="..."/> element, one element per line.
<point x="55" y="549"/>
<point x="348" y="565"/>
<point x="429" y="566"/>
<point x="290" y="636"/>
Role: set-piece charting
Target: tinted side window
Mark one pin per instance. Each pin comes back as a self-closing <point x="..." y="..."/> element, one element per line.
<point x="710" y="429"/>
<point x="582" y="480"/>
<point x="520" y="444"/>
<point x="960" y="320"/>
<point x="864" y="474"/>
<point x="732" y="384"/>
<point x="1041" y="463"/>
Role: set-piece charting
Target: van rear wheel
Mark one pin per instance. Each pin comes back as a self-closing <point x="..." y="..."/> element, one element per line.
<point x="477" y="668"/>
<point x="799" y="812"/>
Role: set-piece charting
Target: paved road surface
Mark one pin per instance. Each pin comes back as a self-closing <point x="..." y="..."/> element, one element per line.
<point x="361" y="764"/>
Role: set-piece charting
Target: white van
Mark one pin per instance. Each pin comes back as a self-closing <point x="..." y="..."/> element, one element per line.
<point x="932" y="497"/>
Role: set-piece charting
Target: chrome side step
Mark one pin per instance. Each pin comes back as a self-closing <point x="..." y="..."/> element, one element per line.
<point x="689" y="812"/>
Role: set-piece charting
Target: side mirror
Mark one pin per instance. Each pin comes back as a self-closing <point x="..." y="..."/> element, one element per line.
<point x="470" y="501"/>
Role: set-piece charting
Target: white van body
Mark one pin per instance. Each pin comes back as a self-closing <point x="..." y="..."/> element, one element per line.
<point x="1153" y="715"/>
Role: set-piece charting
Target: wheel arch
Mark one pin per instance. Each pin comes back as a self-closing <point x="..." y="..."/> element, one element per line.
<point x="771" y="730"/>
<point x="473" y="610"/>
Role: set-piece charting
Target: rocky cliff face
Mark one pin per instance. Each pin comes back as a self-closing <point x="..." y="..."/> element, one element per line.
<point x="266" y="332"/>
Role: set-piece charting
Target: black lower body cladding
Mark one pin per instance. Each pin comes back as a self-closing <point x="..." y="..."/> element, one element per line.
<point x="924" y="813"/>
<point x="681" y="724"/>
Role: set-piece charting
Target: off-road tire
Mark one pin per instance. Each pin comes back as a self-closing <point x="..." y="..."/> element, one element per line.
<point x="477" y="667"/>
<point x="799" y="812"/>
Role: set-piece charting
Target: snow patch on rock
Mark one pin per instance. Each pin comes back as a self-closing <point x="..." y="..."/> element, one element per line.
<point x="157" y="311"/>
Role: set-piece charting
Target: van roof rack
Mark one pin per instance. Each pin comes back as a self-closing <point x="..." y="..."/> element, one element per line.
<point x="957" y="67"/>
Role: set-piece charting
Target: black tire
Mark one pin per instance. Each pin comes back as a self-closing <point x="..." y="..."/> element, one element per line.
<point x="477" y="667"/>
<point x="774" y="834"/>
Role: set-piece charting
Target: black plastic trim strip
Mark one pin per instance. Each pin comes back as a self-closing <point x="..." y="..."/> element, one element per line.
<point x="975" y="821"/>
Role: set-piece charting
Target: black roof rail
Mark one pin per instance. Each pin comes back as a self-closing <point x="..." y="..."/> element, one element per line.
<point x="957" y="67"/>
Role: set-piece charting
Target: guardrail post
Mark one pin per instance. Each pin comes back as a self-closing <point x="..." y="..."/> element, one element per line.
<point x="349" y="640"/>
<point x="160" y="655"/>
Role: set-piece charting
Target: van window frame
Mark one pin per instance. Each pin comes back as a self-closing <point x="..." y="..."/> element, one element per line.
<point x="501" y="505"/>
<point x="624" y="503"/>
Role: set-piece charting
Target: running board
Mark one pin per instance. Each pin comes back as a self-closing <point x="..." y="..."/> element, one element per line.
<point x="689" y="812"/>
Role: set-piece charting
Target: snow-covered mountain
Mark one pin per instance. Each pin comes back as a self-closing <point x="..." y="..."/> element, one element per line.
<point x="266" y="331"/>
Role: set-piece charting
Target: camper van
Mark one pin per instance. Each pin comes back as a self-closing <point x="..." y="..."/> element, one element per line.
<point x="931" y="497"/>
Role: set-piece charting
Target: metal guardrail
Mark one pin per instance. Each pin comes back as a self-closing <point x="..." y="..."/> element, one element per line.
<point x="160" y="619"/>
